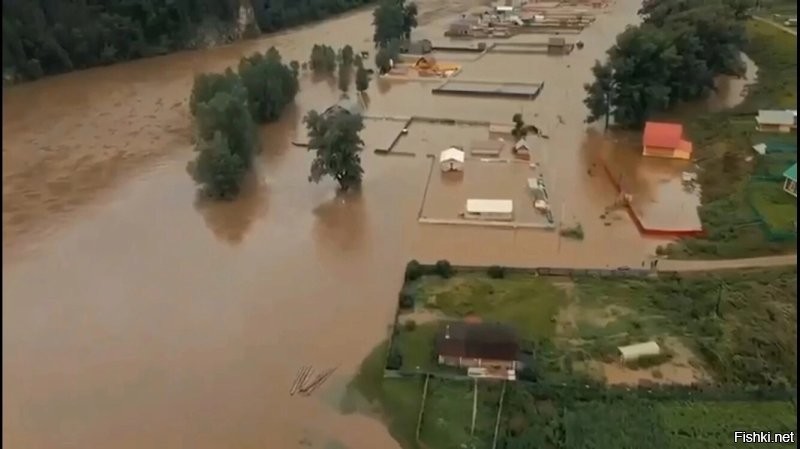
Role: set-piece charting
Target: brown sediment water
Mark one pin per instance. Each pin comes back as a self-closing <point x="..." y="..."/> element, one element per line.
<point x="135" y="316"/>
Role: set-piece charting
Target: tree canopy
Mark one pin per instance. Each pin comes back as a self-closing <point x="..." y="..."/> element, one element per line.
<point x="226" y="107"/>
<point x="335" y="140"/>
<point x="323" y="59"/>
<point x="393" y="20"/>
<point x="673" y="56"/>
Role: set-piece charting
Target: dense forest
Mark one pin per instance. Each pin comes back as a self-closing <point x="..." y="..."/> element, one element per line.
<point x="44" y="37"/>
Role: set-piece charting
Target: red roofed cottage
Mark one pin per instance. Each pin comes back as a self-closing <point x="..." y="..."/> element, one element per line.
<point x="665" y="140"/>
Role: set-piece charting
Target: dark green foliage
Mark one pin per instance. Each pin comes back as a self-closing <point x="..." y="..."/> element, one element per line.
<point x="386" y="54"/>
<point x="414" y="270"/>
<point x="344" y="77"/>
<point x="395" y="360"/>
<point x="273" y="15"/>
<point x="410" y="325"/>
<point x="649" y="361"/>
<point x="672" y="57"/>
<point x="347" y="55"/>
<point x="323" y="60"/>
<point x="362" y="78"/>
<point x="444" y="269"/>
<point x="217" y="169"/>
<point x="406" y="299"/>
<point x="389" y="22"/>
<point x="496" y="272"/>
<point x="224" y="106"/>
<point x="270" y="85"/>
<point x="521" y="129"/>
<point x="573" y="232"/>
<point x="335" y="140"/>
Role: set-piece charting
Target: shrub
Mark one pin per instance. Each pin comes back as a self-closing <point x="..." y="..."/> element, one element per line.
<point x="406" y="299"/>
<point x="395" y="360"/>
<point x="649" y="361"/>
<point x="444" y="269"/>
<point x="575" y="232"/>
<point x="413" y="270"/>
<point x="527" y="374"/>
<point x="410" y="325"/>
<point x="496" y="272"/>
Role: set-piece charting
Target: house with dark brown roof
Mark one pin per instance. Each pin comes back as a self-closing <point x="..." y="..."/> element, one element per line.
<point x="471" y="345"/>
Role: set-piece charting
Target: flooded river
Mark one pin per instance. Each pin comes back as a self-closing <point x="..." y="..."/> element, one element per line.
<point x="135" y="317"/>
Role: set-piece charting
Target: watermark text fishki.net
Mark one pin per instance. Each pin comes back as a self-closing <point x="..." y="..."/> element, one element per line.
<point x="764" y="437"/>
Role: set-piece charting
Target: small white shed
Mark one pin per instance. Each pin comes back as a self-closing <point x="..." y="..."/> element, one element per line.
<point x="639" y="350"/>
<point x="522" y="147"/>
<point x="500" y="210"/>
<point x="452" y="159"/>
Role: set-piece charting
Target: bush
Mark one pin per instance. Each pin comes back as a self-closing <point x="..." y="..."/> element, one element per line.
<point x="496" y="272"/>
<point x="406" y="299"/>
<point x="528" y="374"/>
<point x="444" y="269"/>
<point x="649" y="361"/>
<point x="575" y="232"/>
<point x="413" y="270"/>
<point x="410" y="325"/>
<point x="395" y="360"/>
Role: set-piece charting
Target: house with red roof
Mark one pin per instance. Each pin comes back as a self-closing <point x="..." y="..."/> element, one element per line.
<point x="665" y="140"/>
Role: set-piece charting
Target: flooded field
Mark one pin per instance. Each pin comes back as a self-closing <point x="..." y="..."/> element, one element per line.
<point x="135" y="316"/>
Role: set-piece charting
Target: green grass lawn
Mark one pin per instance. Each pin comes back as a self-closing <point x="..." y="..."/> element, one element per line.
<point x="417" y="346"/>
<point x="723" y="148"/>
<point x="778" y="208"/>
<point x="447" y="420"/>
<point x="524" y="301"/>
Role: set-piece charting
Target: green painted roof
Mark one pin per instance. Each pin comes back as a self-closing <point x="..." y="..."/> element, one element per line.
<point x="791" y="173"/>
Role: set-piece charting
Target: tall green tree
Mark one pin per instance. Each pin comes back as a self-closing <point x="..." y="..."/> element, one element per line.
<point x="601" y="93"/>
<point x="323" y="60"/>
<point x="218" y="170"/>
<point x="390" y="22"/>
<point x="345" y="72"/>
<point x="337" y="145"/>
<point x="347" y="55"/>
<point x="362" y="79"/>
<point x="270" y="85"/>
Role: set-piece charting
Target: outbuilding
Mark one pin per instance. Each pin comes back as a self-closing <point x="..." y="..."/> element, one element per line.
<point x="498" y="210"/>
<point x="452" y="159"/>
<point x="467" y="345"/>
<point x="790" y="180"/>
<point x="637" y="351"/>
<point x="490" y="148"/>
<point x="522" y="149"/>
<point x="782" y="121"/>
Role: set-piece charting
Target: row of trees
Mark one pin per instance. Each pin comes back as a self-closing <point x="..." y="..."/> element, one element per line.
<point x="226" y="108"/>
<point x="42" y="37"/>
<point x="324" y="60"/>
<point x="673" y="56"/>
<point x="393" y="20"/>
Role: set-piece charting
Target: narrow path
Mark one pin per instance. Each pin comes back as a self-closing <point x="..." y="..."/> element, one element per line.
<point x="791" y="31"/>
<point x="753" y="262"/>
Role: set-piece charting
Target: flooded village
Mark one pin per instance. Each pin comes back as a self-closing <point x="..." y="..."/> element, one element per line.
<point x="139" y="315"/>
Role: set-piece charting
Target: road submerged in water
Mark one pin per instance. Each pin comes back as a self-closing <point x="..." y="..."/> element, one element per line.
<point x="136" y="317"/>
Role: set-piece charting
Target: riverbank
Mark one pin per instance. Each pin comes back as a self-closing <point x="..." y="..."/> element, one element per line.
<point x="723" y="147"/>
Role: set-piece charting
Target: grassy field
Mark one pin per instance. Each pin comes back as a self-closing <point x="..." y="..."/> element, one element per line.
<point x="723" y="152"/>
<point x="778" y="208"/>
<point x="734" y="328"/>
<point x="447" y="421"/>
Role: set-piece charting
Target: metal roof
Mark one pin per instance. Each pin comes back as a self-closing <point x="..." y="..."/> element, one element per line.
<point x="490" y="206"/>
<point x="776" y="117"/>
<point x="791" y="173"/>
<point x="633" y="352"/>
<point x="453" y="154"/>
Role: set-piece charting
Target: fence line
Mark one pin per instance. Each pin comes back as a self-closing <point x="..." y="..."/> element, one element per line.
<point x="422" y="407"/>
<point x="499" y="414"/>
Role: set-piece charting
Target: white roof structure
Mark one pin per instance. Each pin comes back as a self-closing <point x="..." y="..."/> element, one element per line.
<point x="502" y="8"/>
<point x="784" y="117"/>
<point x="760" y="148"/>
<point x="636" y="351"/>
<point x="476" y="206"/>
<point x="522" y="143"/>
<point x="451" y="154"/>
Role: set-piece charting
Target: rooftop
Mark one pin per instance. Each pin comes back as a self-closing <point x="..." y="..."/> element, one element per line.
<point x="478" y="340"/>
<point x="791" y="173"/>
<point x="662" y="135"/>
<point x="490" y="206"/>
<point x="452" y="153"/>
<point x="773" y="117"/>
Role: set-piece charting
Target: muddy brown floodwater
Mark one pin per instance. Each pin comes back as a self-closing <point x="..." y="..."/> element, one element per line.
<point x="135" y="318"/>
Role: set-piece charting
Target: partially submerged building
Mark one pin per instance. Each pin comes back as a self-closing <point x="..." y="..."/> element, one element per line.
<point x="420" y="47"/>
<point x="471" y="345"/>
<point x="461" y="28"/>
<point x="665" y="140"/>
<point x="491" y="210"/>
<point x="781" y="121"/>
<point x="790" y="180"/>
<point x="490" y="148"/>
<point x="451" y="159"/>
<point x="557" y="45"/>
<point x="522" y="149"/>
<point x="345" y="105"/>
<point x="639" y="350"/>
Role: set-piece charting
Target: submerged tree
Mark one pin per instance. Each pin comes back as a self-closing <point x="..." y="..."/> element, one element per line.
<point x="362" y="79"/>
<point x="347" y="55"/>
<point x="389" y="20"/>
<point x="600" y="93"/>
<point x="270" y="85"/>
<point x="521" y="129"/>
<point x="218" y="170"/>
<point x="335" y="140"/>
<point x="323" y="59"/>
<point x="344" y="78"/>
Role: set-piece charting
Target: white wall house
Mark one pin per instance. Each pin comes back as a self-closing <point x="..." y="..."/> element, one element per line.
<point x="451" y="159"/>
<point x="498" y="210"/>
<point x="637" y="351"/>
